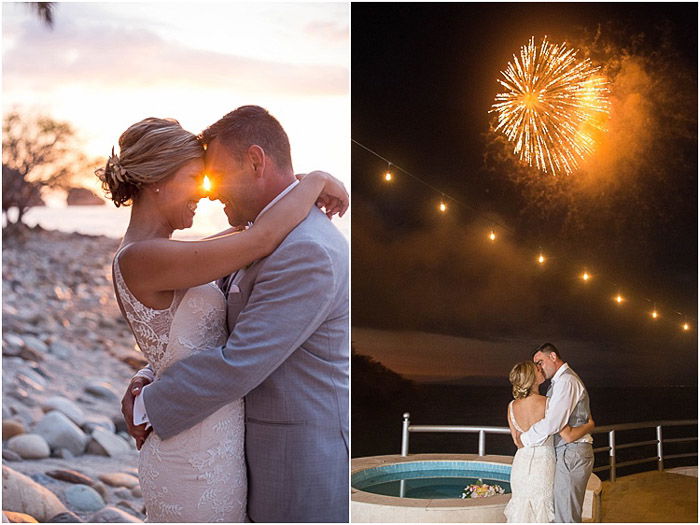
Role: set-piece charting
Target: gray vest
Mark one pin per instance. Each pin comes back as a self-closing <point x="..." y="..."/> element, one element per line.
<point x="582" y="410"/>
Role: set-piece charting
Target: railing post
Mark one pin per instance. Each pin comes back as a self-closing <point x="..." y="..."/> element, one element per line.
<point x="660" y="447"/>
<point x="404" y="434"/>
<point x="611" y="443"/>
<point x="482" y="443"/>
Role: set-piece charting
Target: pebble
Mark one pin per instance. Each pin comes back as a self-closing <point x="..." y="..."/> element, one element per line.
<point x="113" y="515"/>
<point x="21" y="494"/>
<point x="123" y="494"/>
<point x="105" y="443"/>
<point x="83" y="498"/>
<point x="8" y="455"/>
<point x="98" y="421"/>
<point x="18" y="517"/>
<point x="61" y="432"/>
<point x="71" y="476"/>
<point x="65" y="517"/>
<point x="60" y="350"/>
<point x="29" y="446"/>
<point x="103" y="390"/>
<point x="13" y="340"/>
<point x="118" y="479"/>
<point x="11" y="428"/>
<point x="67" y="407"/>
<point x="101" y="488"/>
<point x="136" y="492"/>
<point x="34" y="348"/>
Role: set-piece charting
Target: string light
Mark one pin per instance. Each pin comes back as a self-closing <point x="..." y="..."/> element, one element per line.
<point x="442" y="207"/>
<point x="388" y="176"/>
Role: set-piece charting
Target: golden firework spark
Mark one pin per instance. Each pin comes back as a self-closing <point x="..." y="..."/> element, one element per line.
<point x="554" y="107"/>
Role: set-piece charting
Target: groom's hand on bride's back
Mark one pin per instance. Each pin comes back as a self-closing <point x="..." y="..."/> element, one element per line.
<point x="139" y="433"/>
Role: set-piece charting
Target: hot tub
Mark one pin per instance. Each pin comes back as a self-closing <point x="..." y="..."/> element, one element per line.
<point x="426" y="488"/>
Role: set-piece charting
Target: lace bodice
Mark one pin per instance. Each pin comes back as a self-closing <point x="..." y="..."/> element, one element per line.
<point x="151" y="327"/>
<point x="200" y="474"/>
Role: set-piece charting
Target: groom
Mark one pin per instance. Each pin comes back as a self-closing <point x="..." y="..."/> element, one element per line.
<point x="287" y="352"/>
<point x="568" y="404"/>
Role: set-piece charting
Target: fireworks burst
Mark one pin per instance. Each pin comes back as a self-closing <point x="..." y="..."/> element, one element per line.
<point x="554" y="107"/>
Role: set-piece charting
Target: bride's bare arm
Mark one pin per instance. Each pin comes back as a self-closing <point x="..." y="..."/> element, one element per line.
<point x="571" y="434"/>
<point x="163" y="264"/>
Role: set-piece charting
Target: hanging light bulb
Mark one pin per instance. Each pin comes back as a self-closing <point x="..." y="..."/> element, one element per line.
<point x="686" y="327"/>
<point x="443" y="206"/>
<point x="654" y="314"/>
<point x="541" y="259"/>
<point x="619" y="299"/>
<point x="388" y="176"/>
<point x="492" y="235"/>
<point x="586" y="276"/>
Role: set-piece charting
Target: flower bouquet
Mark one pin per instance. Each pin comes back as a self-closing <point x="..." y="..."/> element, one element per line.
<point x="481" y="490"/>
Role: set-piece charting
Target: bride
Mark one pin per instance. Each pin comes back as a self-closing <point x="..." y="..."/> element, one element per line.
<point x="532" y="473"/>
<point x="166" y="291"/>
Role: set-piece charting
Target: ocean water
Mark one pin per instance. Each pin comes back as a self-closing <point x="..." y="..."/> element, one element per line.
<point x="112" y="222"/>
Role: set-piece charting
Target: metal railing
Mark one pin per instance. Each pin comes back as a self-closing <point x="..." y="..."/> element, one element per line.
<point x="611" y="448"/>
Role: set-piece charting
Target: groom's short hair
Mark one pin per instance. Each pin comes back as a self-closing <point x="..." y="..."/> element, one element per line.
<point x="249" y="125"/>
<point x="546" y="348"/>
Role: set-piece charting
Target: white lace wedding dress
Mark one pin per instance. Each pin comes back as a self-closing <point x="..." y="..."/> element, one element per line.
<point x="200" y="474"/>
<point x="531" y="482"/>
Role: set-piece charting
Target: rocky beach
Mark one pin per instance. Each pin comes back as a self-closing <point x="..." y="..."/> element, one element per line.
<point x="67" y="357"/>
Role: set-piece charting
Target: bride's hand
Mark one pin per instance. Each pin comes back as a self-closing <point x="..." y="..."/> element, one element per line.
<point x="334" y="197"/>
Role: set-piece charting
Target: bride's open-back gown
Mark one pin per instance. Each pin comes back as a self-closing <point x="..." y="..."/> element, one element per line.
<point x="200" y="474"/>
<point x="531" y="482"/>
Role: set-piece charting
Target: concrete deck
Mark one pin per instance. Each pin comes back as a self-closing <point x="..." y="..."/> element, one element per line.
<point x="651" y="497"/>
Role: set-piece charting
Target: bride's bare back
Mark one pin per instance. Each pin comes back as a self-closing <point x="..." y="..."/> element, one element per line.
<point x="529" y="410"/>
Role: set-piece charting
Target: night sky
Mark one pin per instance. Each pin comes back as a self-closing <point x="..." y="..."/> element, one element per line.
<point x="423" y="81"/>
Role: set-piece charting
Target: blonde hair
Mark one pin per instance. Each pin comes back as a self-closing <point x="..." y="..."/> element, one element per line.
<point x="149" y="151"/>
<point x="522" y="377"/>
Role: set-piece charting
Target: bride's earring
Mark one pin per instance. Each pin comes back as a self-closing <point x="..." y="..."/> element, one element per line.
<point x="157" y="190"/>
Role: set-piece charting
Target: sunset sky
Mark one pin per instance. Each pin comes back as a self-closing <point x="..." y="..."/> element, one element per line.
<point x="105" y="66"/>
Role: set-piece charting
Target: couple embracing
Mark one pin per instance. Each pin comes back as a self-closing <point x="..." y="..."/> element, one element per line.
<point x="554" y="460"/>
<point x="242" y="413"/>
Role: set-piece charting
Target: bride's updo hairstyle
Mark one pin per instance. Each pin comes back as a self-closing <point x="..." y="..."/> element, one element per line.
<point x="149" y="151"/>
<point x="522" y="377"/>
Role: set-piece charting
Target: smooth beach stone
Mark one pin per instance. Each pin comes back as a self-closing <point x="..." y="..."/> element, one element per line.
<point x="136" y="492"/>
<point x="61" y="432"/>
<point x="98" y="421"/>
<point x="65" y="517"/>
<point x="129" y="507"/>
<point x="27" y="382"/>
<point x="83" y="498"/>
<point x="60" y="350"/>
<point x="34" y="348"/>
<point x="113" y="515"/>
<point x="66" y="407"/>
<point x="123" y="493"/>
<point x="63" y="453"/>
<point x="11" y="428"/>
<point x="34" y="373"/>
<point x="101" y="488"/>
<point x="105" y="443"/>
<point x="118" y="479"/>
<point x="19" y="517"/>
<point x="8" y="455"/>
<point x="21" y="494"/>
<point x="71" y="476"/>
<point x="29" y="446"/>
<point x="103" y="390"/>
<point x="13" y="340"/>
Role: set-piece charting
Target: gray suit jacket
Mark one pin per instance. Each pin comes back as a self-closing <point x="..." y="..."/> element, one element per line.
<point x="288" y="355"/>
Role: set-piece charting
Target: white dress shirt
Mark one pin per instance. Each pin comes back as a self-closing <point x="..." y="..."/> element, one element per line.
<point x="140" y="416"/>
<point x="567" y="391"/>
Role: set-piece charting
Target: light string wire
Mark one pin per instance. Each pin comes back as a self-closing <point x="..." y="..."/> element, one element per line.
<point x="481" y="215"/>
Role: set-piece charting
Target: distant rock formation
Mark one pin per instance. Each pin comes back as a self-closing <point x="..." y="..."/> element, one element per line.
<point x="83" y="197"/>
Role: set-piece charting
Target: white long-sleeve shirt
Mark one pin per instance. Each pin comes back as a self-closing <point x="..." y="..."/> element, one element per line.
<point x="567" y="391"/>
<point x="140" y="416"/>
